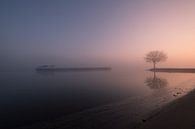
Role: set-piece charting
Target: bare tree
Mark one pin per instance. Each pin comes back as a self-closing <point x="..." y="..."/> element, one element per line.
<point x="155" y="57"/>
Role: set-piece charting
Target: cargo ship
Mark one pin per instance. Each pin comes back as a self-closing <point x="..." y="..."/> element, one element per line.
<point x="53" y="68"/>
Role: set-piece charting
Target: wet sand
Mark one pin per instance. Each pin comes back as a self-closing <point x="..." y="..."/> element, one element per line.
<point x="180" y="114"/>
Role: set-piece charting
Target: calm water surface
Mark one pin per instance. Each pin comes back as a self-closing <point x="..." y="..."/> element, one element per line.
<point x="30" y="97"/>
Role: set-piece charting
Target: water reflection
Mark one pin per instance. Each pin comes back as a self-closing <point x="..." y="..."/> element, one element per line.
<point x="156" y="82"/>
<point x="46" y="73"/>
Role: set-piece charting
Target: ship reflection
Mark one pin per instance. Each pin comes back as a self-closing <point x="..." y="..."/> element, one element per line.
<point x="46" y="73"/>
<point x="156" y="82"/>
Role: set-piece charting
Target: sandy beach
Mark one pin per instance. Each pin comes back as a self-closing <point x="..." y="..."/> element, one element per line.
<point x="180" y="114"/>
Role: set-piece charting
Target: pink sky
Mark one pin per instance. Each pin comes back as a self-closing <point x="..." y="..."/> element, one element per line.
<point x="165" y="26"/>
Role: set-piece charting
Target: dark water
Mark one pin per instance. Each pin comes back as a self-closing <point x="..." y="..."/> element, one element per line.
<point x="30" y="97"/>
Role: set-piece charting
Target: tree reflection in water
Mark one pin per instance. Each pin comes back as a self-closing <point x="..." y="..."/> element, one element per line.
<point x="156" y="82"/>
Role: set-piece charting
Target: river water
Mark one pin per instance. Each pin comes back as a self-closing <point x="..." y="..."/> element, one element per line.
<point x="117" y="97"/>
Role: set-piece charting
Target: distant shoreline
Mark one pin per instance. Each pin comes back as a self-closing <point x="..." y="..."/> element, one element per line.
<point x="174" y="70"/>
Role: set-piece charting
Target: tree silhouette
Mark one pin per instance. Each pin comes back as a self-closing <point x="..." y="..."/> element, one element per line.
<point x="155" y="57"/>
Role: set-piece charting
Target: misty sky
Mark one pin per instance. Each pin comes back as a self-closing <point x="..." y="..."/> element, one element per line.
<point x="85" y="32"/>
